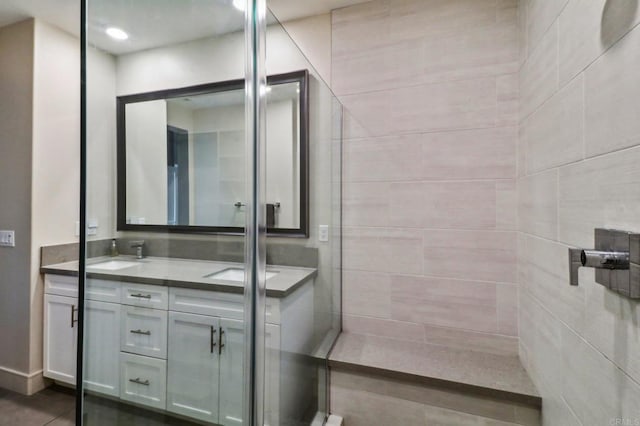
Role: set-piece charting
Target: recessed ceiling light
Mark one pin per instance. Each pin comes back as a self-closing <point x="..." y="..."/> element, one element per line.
<point x="117" y="33"/>
<point x="239" y="4"/>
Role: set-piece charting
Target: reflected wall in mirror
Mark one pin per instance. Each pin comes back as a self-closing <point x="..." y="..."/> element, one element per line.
<point x="181" y="158"/>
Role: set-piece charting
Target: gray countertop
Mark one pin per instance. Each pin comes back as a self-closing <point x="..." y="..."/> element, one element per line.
<point x="186" y="273"/>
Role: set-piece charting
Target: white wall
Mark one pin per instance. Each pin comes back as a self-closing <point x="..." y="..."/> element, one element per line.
<point x="313" y="37"/>
<point x="40" y="118"/>
<point x="101" y="134"/>
<point x="56" y="150"/>
<point x="16" y="114"/>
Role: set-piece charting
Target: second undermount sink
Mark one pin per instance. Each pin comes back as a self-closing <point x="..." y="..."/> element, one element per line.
<point x="235" y="274"/>
<point x="113" y="265"/>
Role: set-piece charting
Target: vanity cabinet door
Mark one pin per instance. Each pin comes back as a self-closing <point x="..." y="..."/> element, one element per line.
<point x="231" y="371"/>
<point x="192" y="366"/>
<point x="102" y="346"/>
<point x="60" y="338"/>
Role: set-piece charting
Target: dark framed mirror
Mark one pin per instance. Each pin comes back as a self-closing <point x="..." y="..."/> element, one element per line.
<point x="181" y="161"/>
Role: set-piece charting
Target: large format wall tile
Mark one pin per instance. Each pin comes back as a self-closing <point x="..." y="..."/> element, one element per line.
<point x="506" y="205"/>
<point x="445" y="302"/>
<point x="548" y="281"/>
<point x="596" y="390"/>
<point x="424" y="42"/>
<point x="542" y="335"/>
<point x="465" y="104"/>
<point x="541" y="14"/>
<point x="611" y="98"/>
<point x="465" y="154"/>
<point x="554" y="133"/>
<point x="384" y="158"/>
<point x="400" y="330"/>
<point x="611" y="326"/>
<point x="507" y="303"/>
<point x="538" y="204"/>
<point x="469" y="154"/>
<point x="602" y="192"/>
<point x="588" y="28"/>
<point x="539" y="75"/>
<point x="431" y="96"/>
<point x="443" y="205"/>
<point x="478" y="255"/>
<point x="383" y="250"/>
<point x="367" y="293"/>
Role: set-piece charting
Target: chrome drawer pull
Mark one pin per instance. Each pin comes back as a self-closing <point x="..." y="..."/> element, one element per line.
<point x="139" y="382"/>
<point x="146" y="333"/>
<point x="141" y="296"/>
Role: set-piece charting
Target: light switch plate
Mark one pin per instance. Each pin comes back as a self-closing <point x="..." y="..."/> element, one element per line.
<point x="7" y="238"/>
<point x="323" y="234"/>
<point x="92" y="227"/>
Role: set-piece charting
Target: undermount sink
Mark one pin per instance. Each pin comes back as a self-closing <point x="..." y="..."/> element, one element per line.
<point x="113" y="265"/>
<point x="234" y="274"/>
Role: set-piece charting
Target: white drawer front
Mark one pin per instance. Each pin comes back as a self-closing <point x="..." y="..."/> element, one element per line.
<point x="103" y="290"/>
<point x="62" y="285"/>
<point x="143" y="380"/>
<point x="144" y="331"/>
<point x="225" y="305"/>
<point x="146" y="296"/>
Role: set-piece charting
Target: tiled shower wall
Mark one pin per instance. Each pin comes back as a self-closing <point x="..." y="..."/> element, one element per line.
<point x="578" y="168"/>
<point x="430" y="89"/>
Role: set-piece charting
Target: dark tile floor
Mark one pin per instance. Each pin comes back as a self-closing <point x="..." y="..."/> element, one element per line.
<point x="52" y="406"/>
<point x="55" y="406"/>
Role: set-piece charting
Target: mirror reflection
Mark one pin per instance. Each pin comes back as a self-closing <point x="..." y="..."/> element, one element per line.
<point x="182" y="157"/>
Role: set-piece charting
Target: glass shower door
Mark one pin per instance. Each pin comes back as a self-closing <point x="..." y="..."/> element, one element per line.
<point x="172" y="287"/>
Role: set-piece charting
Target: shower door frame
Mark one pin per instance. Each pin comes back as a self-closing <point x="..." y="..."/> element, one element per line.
<point x="255" y="225"/>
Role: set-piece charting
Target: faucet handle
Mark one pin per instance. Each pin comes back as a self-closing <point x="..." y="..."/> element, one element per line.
<point x="575" y="262"/>
<point x="137" y="243"/>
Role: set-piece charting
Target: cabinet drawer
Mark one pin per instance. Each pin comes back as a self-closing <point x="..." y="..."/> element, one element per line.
<point x="216" y="304"/>
<point x="146" y="296"/>
<point x="143" y="380"/>
<point x="61" y="285"/>
<point x="103" y="290"/>
<point x="144" y="331"/>
<point x="100" y="290"/>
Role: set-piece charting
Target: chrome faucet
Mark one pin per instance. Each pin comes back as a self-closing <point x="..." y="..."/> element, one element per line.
<point x="616" y="259"/>
<point x="138" y="245"/>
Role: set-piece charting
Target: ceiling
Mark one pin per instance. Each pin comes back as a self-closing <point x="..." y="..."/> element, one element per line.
<point x="152" y="23"/>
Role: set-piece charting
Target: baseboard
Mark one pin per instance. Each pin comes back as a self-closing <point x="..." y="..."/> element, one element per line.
<point x="26" y="384"/>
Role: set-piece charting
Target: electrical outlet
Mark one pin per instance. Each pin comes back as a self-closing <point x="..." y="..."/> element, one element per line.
<point x="7" y="238"/>
<point x="323" y="234"/>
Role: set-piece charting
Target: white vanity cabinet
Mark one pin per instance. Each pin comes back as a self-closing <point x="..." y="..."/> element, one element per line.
<point x="102" y="321"/>
<point x="102" y="332"/>
<point x="177" y="349"/>
<point x="60" y="337"/>
<point x="193" y="367"/>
